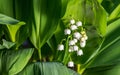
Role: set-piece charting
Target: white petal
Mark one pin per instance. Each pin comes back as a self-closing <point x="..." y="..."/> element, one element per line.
<point x="70" y="64"/>
<point x="79" y="52"/>
<point x="71" y="49"/>
<point x="73" y="27"/>
<point x="77" y="35"/>
<point x="82" y="43"/>
<point x="72" y="21"/>
<point x="60" y="47"/>
<point x="79" y="23"/>
<point x="75" y="48"/>
<point x="71" y="42"/>
<point x="67" y="31"/>
<point x="75" y="40"/>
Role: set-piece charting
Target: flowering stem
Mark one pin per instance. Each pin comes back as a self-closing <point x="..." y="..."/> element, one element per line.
<point x="66" y="51"/>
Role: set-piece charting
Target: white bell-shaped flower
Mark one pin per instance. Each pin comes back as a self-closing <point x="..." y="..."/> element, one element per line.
<point x="77" y="35"/>
<point x="79" y="23"/>
<point x="71" y="49"/>
<point x="72" y="21"/>
<point x="67" y="31"/>
<point x="79" y="52"/>
<point x="70" y="64"/>
<point x="71" y="42"/>
<point x="60" y="47"/>
<point x="73" y="27"/>
<point x="75" y="40"/>
<point x="82" y="43"/>
<point x="75" y="48"/>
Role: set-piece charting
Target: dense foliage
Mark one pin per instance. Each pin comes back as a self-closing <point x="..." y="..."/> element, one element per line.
<point x="31" y="31"/>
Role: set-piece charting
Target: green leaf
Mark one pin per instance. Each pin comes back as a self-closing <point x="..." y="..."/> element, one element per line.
<point x="85" y="11"/>
<point x="7" y="20"/>
<point x="109" y="51"/>
<point x="47" y="68"/>
<point x="13" y="30"/>
<point x="115" y="14"/>
<point x="100" y="1"/>
<point x="6" y="7"/>
<point x="103" y="70"/>
<point x="6" y="44"/>
<point x="110" y="5"/>
<point x="13" y="62"/>
<point x="1" y="47"/>
<point x="1" y="31"/>
<point x="21" y="35"/>
<point x="100" y="21"/>
<point x="18" y="10"/>
<point x="45" y="21"/>
<point x="13" y="25"/>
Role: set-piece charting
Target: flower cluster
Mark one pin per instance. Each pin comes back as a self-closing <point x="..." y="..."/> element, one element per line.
<point x="77" y="40"/>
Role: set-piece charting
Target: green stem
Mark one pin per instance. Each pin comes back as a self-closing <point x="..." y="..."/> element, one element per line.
<point x="39" y="54"/>
<point x="66" y="55"/>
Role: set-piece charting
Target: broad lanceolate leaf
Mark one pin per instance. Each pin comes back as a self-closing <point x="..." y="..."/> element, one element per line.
<point x="103" y="70"/>
<point x="47" y="68"/>
<point x="90" y="12"/>
<point x="110" y="49"/>
<point x="13" y="62"/>
<point x="45" y="18"/>
<point x="7" y="20"/>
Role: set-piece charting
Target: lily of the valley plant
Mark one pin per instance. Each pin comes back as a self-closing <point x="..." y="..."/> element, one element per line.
<point x="59" y="37"/>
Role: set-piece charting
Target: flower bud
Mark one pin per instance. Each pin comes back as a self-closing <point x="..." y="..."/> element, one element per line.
<point x="86" y="37"/>
<point x="82" y="39"/>
<point x="67" y="31"/>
